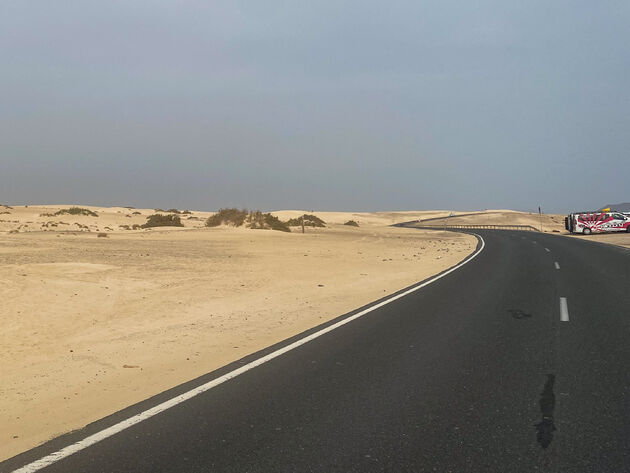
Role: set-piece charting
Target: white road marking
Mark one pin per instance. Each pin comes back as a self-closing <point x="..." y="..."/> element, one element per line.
<point x="564" y="310"/>
<point x="534" y="242"/>
<point x="557" y="265"/>
<point x="122" y="425"/>
<point x="547" y="250"/>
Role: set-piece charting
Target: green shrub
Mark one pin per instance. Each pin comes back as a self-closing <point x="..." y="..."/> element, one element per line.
<point x="276" y="224"/>
<point x="72" y="211"/>
<point x="159" y="220"/>
<point x="255" y="219"/>
<point x="233" y="217"/>
<point x="351" y="223"/>
<point x="173" y="211"/>
<point x="309" y="221"/>
<point x="102" y="235"/>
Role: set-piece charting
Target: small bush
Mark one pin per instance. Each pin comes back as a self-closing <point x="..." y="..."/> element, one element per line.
<point x="136" y="213"/>
<point x="186" y="212"/>
<point x="276" y="224"/>
<point x="173" y="211"/>
<point x="351" y="223"/>
<point x="135" y="226"/>
<point x="159" y="220"/>
<point x="72" y="211"/>
<point x="309" y="221"/>
<point x="256" y="220"/>
<point x="233" y="217"/>
<point x="260" y="221"/>
<point x="102" y="235"/>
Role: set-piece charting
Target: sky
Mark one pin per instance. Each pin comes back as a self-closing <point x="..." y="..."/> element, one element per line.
<point x="326" y="105"/>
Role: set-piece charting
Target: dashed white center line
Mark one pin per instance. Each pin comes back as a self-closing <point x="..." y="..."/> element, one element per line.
<point x="547" y="250"/>
<point x="564" y="310"/>
<point x="557" y="265"/>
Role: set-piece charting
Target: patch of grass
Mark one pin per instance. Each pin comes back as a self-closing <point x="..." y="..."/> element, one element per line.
<point x="351" y="223"/>
<point x="234" y="217"/>
<point x="72" y="211"/>
<point x="159" y="220"/>
<point x="309" y="221"/>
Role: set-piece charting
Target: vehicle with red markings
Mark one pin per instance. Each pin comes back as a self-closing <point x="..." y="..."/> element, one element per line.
<point x="597" y="222"/>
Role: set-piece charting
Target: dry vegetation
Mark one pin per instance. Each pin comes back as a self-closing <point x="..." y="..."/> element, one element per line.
<point x="251" y="219"/>
<point x="72" y="211"/>
<point x="309" y="220"/>
<point x="159" y="220"/>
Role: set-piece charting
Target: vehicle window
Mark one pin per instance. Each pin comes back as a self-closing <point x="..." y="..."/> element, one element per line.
<point x="618" y="217"/>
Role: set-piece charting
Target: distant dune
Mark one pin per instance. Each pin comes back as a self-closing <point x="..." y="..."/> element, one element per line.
<point x="623" y="207"/>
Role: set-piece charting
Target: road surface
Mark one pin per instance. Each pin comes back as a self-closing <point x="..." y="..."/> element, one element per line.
<point x="517" y="361"/>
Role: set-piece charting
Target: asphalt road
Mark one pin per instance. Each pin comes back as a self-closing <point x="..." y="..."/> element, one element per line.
<point x="475" y="372"/>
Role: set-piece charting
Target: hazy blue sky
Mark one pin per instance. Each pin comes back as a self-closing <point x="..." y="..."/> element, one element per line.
<point x="340" y="105"/>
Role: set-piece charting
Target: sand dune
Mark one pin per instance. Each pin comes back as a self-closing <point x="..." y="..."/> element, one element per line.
<point x="549" y="222"/>
<point x="91" y="325"/>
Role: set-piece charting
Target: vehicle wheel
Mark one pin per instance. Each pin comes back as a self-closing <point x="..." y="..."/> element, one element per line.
<point x="586" y="231"/>
<point x="628" y="229"/>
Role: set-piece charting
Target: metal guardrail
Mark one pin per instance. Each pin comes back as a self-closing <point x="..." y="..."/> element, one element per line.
<point x="528" y="228"/>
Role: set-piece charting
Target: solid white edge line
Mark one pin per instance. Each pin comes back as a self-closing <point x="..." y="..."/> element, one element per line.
<point x="122" y="425"/>
<point x="557" y="265"/>
<point x="564" y="310"/>
<point x="547" y="250"/>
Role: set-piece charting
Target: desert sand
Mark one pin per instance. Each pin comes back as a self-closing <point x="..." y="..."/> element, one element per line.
<point x="92" y="325"/>
<point x="549" y="222"/>
<point x="618" y="239"/>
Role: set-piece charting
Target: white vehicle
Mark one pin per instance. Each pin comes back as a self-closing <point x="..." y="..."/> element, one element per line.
<point x="597" y="222"/>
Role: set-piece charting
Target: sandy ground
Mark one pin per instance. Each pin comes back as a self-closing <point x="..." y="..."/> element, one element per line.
<point x="619" y="239"/>
<point x="39" y="218"/>
<point x="92" y="325"/>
